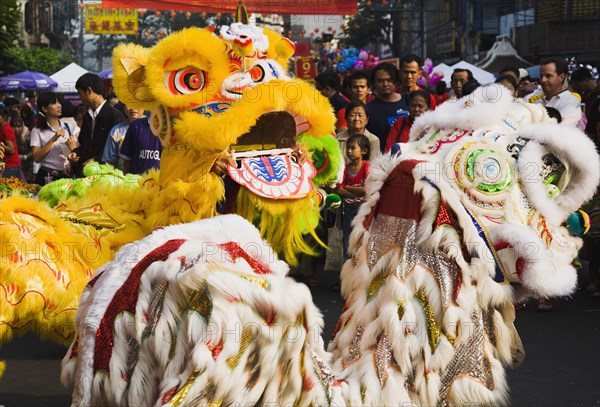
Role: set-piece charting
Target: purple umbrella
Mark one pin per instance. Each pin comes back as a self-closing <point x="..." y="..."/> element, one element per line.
<point x="26" y="80"/>
<point x="106" y="74"/>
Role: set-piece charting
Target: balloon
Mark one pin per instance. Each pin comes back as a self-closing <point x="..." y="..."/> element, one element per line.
<point x="435" y="78"/>
<point x="341" y="67"/>
<point x="359" y="65"/>
<point x="428" y="66"/>
<point x="363" y="55"/>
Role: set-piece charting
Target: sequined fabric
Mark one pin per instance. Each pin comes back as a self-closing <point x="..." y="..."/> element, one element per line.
<point x="200" y="301"/>
<point x="382" y="357"/>
<point x="235" y="251"/>
<point x="125" y="300"/>
<point x="354" y="353"/>
<point x="470" y="359"/>
<point x="387" y="233"/>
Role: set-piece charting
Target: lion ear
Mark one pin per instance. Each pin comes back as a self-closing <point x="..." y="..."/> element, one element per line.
<point x="281" y="48"/>
<point x="560" y="168"/>
<point x="129" y="72"/>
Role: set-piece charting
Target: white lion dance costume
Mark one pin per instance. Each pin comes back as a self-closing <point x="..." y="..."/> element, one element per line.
<point x="202" y="314"/>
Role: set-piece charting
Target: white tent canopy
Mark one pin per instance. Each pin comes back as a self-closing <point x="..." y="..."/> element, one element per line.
<point x="67" y="77"/>
<point x="482" y="76"/>
<point x="443" y="69"/>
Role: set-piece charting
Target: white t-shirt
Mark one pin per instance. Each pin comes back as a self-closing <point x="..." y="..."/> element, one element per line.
<point x="566" y="103"/>
<point x="55" y="158"/>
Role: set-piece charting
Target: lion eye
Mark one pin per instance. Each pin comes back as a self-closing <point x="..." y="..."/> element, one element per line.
<point x="257" y="73"/>
<point x="185" y="81"/>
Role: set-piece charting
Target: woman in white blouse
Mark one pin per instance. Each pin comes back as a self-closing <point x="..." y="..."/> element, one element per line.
<point x="51" y="140"/>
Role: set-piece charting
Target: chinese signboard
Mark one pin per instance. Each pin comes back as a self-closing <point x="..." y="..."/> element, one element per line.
<point x="100" y="20"/>
<point x="305" y="68"/>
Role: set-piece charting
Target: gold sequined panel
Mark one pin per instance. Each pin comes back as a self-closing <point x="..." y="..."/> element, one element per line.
<point x="388" y="233"/>
<point x="354" y="353"/>
<point x="401" y="306"/>
<point x="376" y="284"/>
<point x="323" y="373"/>
<point x="445" y="271"/>
<point x="382" y="358"/>
<point x="201" y="302"/>
<point x="245" y="341"/>
<point x="206" y="397"/>
<point x="488" y="324"/>
<point x="159" y="288"/>
<point x="433" y="328"/>
<point x="470" y="360"/>
<point x="183" y="391"/>
<point x="257" y="281"/>
<point x="391" y="233"/>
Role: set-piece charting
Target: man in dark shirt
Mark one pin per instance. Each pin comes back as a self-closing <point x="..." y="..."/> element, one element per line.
<point x="410" y="72"/>
<point x="387" y="105"/>
<point x="97" y="122"/>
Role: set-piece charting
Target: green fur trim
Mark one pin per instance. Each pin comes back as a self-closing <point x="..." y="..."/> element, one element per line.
<point x="282" y="223"/>
<point x="96" y="175"/>
<point x="326" y="156"/>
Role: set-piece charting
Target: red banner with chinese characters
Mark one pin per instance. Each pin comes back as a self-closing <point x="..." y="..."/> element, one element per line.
<point x="318" y="7"/>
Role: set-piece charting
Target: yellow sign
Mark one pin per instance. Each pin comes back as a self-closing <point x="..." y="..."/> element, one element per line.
<point x="100" y="20"/>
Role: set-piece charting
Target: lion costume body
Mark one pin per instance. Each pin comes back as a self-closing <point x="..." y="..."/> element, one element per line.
<point x="209" y="95"/>
<point x="472" y="208"/>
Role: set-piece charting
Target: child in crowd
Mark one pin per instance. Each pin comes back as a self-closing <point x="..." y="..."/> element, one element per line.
<point x="419" y="104"/>
<point x="352" y="188"/>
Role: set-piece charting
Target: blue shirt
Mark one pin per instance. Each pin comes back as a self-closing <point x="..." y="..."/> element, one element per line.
<point x="141" y="147"/>
<point x="113" y="143"/>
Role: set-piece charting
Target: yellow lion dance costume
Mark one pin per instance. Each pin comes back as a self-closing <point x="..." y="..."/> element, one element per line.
<point x="210" y="95"/>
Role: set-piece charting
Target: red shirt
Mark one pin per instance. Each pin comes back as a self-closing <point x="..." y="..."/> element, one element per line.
<point x="399" y="132"/>
<point x="439" y="99"/>
<point x="341" y="119"/>
<point x="356" y="180"/>
<point x="7" y="134"/>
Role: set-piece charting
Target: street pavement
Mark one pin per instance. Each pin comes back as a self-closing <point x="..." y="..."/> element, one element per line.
<point x="561" y="367"/>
